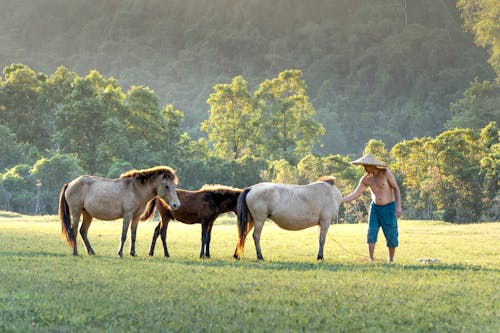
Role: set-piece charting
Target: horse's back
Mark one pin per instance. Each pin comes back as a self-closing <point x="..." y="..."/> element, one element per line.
<point x="95" y="186"/>
<point x="294" y="207"/>
<point x="100" y="197"/>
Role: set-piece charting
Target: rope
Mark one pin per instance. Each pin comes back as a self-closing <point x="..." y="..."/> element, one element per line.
<point x="352" y="253"/>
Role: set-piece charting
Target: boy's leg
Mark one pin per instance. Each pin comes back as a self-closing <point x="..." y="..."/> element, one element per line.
<point x="371" y="251"/>
<point x="373" y="228"/>
<point x="392" y="250"/>
<point x="389" y="224"/>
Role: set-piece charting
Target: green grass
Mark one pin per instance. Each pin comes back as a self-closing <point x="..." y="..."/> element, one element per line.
<point x="44" y="288"/>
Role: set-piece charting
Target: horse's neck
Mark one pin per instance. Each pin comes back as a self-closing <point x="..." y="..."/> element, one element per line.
<point x="145" y="191"/>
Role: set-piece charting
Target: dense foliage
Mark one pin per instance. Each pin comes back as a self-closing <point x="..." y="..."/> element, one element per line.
<point x="385" y="69"/>
<point x="359" y="72"/>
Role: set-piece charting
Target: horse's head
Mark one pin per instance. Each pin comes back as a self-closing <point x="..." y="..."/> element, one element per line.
<point x="230" y="200"/>
<point x="166" y="187"/>
<point x="224" y="197"/>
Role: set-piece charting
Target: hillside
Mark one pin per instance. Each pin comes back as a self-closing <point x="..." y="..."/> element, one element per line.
<point x="374" y="69"/>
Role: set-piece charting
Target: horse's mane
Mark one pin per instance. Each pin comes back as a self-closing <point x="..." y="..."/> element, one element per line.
<point x="327" y="179"/>
<point x="217" y="188"/>
<point x="145" y="175"/>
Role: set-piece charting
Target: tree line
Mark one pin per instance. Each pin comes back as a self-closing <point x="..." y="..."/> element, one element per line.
<point x="56" y="127"/>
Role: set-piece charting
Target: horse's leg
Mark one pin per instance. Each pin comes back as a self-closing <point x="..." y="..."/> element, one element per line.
<point x="153" y="241"/>
<point x="163" y="236"/>
<point x="323" y="231"/>
<point x="126" y="223"/>
<point x="241" y="241"/>
<point x="256" y="238"/>
<point x="133" y="234"/>
<point x="75" y="216"/>
<point x="205" y="231"/>
<point x="209" y="237"/>
<point x="87" y="219"/>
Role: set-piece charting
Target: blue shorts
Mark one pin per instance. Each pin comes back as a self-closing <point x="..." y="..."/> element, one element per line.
<point x="385" y="217"/>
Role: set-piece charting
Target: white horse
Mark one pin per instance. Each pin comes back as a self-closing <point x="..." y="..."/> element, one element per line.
<point x="109" y="199"/>
<point x="292" y="207"/>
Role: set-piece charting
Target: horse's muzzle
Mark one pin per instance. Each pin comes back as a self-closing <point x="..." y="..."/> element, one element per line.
<point x="174" y="205"/>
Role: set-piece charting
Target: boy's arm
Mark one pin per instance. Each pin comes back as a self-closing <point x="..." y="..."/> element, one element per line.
<point x="357" y="192"/>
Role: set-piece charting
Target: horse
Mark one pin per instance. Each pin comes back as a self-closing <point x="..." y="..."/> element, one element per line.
<point x="110" y="199"/>
<point x="201" y="206"/>
<point x="291" y="207"/>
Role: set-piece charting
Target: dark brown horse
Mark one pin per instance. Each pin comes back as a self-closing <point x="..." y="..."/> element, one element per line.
<point x="202" y="206"/>
<point x="110" y="199"/>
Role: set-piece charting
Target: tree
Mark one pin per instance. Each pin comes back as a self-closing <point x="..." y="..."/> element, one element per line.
<point x="289" y="130"/>
<point x="172" y="121"/>
<point x="24" y="108"/>
<point x="50" y="175"/>
<point x="11" y="152"/>
<point x="80" y="121"/>
<point x="280" y="171"/>
<point x="144" y="120"/>
<point x="17" y="188"/>
<point x="479" y="106"/>
<point x="459" y="189"/>
<point x="232" y="122"/>
<point x="377" y="148"/>
<point x="482" y="18"/>
<point x="412" y="160"/>
<point x="490" y="170"/>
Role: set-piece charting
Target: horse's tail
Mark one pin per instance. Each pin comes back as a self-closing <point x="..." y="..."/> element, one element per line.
<point x="65" y="217"/>
<point x="148" y="211"/>
<point x="243" y="215"/>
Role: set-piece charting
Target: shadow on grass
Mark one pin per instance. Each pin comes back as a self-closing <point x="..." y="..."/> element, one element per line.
<point x="268" y="265"/>
<point x="34" y="254"/>
<point x="340" y="266"/>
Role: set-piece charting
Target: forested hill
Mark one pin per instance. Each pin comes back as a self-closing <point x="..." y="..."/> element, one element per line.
<point x="374" y="69"/>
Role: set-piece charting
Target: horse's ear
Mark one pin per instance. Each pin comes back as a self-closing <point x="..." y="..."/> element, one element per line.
<point x="168" y="175"/>
<point x="141" y="177"/>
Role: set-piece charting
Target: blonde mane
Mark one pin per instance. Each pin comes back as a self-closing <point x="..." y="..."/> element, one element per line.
<point x="327" y="179"/>
<point x="146" y="174"/>
<point x="219" y="188"/>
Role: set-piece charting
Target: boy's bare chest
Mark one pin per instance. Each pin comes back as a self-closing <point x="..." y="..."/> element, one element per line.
<point x="378" y="183"/>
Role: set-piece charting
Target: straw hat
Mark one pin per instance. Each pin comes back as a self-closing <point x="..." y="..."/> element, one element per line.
<point x="369" y="159"/>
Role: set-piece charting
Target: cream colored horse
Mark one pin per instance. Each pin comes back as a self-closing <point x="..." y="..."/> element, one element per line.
<point x="292" y="207"/>
<point x="110" y="199"/>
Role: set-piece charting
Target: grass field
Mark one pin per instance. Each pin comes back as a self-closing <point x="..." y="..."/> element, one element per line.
<point x="43" y="288"/>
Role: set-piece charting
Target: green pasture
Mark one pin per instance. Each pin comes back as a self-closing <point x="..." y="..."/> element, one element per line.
<point x="43" y="288"/>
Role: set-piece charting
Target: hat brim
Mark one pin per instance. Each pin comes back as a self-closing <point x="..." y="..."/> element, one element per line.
<point x="369" y="159"/>
<point x="378" y="166"/>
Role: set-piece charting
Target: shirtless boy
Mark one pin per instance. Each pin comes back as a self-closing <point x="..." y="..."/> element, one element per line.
<point x="386" y="203"/>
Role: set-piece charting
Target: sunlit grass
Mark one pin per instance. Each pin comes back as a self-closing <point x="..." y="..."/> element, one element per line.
<point x="44" y="288"/>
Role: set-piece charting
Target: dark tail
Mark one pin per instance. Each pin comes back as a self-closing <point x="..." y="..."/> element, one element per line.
<point x="148" y="211"/>
<point x="65" y="218"/>
<point x="243" y="212"/>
